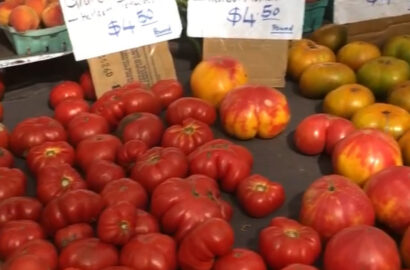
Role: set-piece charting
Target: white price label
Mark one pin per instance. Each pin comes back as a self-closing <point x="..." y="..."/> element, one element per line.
<point x="350" y="11"/>
<point x="252" y="19"/>
<point x="99" y="27"/>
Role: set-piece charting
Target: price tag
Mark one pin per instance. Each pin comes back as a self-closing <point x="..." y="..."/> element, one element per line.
<point x="100" y="27"/>
<point x="250" y="19"/>
<point x="350" y="11"/>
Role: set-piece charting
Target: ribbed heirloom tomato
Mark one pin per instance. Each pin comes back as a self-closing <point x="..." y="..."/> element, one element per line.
<point x="190" y="107"/>
<point x="12" y="183"/>
<point x="240" y="259"/>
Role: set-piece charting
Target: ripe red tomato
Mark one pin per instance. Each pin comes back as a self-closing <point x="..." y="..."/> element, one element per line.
<point x="68" y="234"/>
<point x="6" y="158"/>
<point x="286" y="242"/>
<point x="4" y="136"/>
<point x="26" y="262"/>
<point x="87" y="85"/>
<point x="187" y="136"/>
<point x="240" y="259"/>
<point x="129" y="152"/>
<point x="190" y="107"/>
<point x="15" y="233"/>
<point x="118" y="268"/>
<point x="125" y="189"/>
<point x="48" y="154"/>
<point x="68" y="108"/>
<point x="150" y="251"/>
<point x="145" y="223"/>
<point x="259" y="196"/>
<point x="15" y="208"/>
<point x="88" y="254"/>
<point x="101" y="172"/>
<point x="86" y="124"/>
<point x="298" y="266"/>
<point x="12" y="183"/>
<point x="99" y="146"/>
<point x="168" y="90"/>
<point x="157" y="165"/>
<point x="65" y="90"/>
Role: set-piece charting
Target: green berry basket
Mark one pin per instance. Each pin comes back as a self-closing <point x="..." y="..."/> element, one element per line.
<point x="314" y="15"/>
<point x="41" y="41"/>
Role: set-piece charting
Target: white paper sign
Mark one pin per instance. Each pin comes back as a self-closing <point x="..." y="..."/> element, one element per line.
<point x="252" y="19"/>
<point x="350" y="11"/>
<point x="99" y="27"/>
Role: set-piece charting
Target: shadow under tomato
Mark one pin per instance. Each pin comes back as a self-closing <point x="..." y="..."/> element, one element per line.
<point x="325" y="164"/>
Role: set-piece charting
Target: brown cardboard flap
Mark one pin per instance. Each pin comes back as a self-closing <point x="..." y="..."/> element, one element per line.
<point x="264" y="60"/>
<point x="378" y="31"/>
<point x="146" y="64"/>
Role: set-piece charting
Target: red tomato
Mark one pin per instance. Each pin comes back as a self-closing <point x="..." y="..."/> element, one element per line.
<point x="298" y="266"/>
<point x="48" y="154"/>
<point x="34" y="131"/>
<point x="146" y="127"/>
<point x="129" y="152"/>
<point x="157" y="165"/>
<point x="198" y="249"/>
<point x="125" y="189"/>
<point x="75" y="206"/>
<point x="181" y="204"/>
<point x="12" y="183"/>
<point x="15" y="208"/>
<point x="222" y="160"/>
<point x="84" y="125"/>
<point x="286" y="242"/>
<point x="240" y="259"/>
<point x="259" y="196"/>
<point x="188" y="136"/>
<point x="101" y="172"/>
<point x="116" y="223"/>
<point x="68" y="108"/>
<point x="65" y="90"/>
<point x="4" y="136"/>
<point x="87" y="85"/>
<point x="88" y="254"/>
<point x="15" y="233"/>
<point x="145" y="223"/>
<point x="68" y="234"/>
<point x="168" y="90"/>
<point x="53" y="181"/>
<point x="118" y="268"/>
<point x="150" y="251"/>
<point x="26" y="262"/>
<point x="99" y="146"/>
<point x="405" y="247"/>
<point x="190" y="107"/>
<point x="6" y="158"/>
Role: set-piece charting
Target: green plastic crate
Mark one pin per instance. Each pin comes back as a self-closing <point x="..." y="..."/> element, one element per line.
<point x="314" y="14"/>
<point x="47" y="40"/>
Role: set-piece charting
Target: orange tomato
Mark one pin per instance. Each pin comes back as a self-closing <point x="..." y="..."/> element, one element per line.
<point x="404" y="143"/>
<point x="400" y="95"/>
<point x="356" y="53"/>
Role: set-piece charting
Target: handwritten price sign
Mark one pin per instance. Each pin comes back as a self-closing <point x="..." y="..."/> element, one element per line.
<point x="100" y="27"/>
<point x="252" y="19"/>
<point x="350" y="11"/>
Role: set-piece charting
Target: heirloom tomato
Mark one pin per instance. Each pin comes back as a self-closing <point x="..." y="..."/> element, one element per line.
<point x="66" y="235"/>
<point x="4" y="136"/>
<point x="88" y="254"/>
<point x="400" y="95"/>
<point x="389" y="191"/>
<point x="98" y="146"/>
<point x="124" y="189"/>
<point x="26" y="262"/>
<point x="259" y="196"/>
<point x="405" y="247"/>
<point x="157" y="165"/>
<point x="385" y="117"/>
<point x="6" y="158"/>
<point x="361" y="247"/>
<point x="298" y="266"/>
<point x="86" y="124"/>
<point x="181" y="204"/>
<point x="212" y="78"/>
<point x="240" y="259"/>
<point x="332" y="203"/>
<point x="54" y="180"/>
<point x="190" y="107"/>
<point x="68" y="108"/>
<point x="150" y="251"/>
<point x="100" y="172"/>
<point x="48" y="154"/>
<point x="254" y="110"/>
<point x="129" y="152"/>
<point x="199" y="248"/>
<point x="286" y="241"/>
<point x="15" y="233"/>
<point x="143" y="126"/>
<point x="16" y="208"/>
<point x="167" y="90"/>
<point x="399" y="47"/>
<point x="365" y="152"/>
<point x="356" y="53"/>
<point x="12" y="183"/>
<point x="118" y="268"/>
<point x="74" y="206"/>
<point x="222" y="160"/>
<point x="333" y="36"/>
<point x="65" y="90"/>
<point x="145" y="223"/>
<point x="382" y="74"/>
<point x="34" y="131"/>
<point x="404" y="143"/>
<point x="87" y="85"/>
<point x="187" y="136"/>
